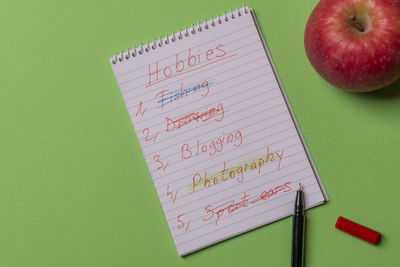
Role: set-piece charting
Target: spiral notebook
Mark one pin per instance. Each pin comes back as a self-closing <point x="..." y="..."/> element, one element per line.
<point x="216" y="129"/>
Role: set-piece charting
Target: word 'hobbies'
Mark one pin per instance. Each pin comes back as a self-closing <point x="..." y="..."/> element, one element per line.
<point x="158" y="74"/>
<point x="217" y="113"/>
<point x="213" y="147"/>
<point x="232" y="206"/>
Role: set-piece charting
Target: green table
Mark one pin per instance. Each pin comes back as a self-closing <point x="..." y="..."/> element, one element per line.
<point x="74" y="187"/>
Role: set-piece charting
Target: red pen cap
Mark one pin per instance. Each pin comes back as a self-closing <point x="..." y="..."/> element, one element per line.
<point x="357" y="230"/>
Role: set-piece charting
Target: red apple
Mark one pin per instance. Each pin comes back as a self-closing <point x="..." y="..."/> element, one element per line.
<point x="355" y="44"/>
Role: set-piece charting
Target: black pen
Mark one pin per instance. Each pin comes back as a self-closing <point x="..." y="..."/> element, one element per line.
<point x="298" y="230"/>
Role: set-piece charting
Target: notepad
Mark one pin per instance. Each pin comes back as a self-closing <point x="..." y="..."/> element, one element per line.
<point x="216" y="129"/>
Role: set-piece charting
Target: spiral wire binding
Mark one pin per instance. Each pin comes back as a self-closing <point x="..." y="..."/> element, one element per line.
<point x="187" y="32"/>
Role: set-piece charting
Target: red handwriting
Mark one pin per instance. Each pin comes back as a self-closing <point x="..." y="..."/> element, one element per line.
<point x="231" y="206"/>
<point x="182" y="223"/>
<point x="193" y="62"/>
<point x="166" y="97"/>
<point x="213" y="147"/>
<point x="162" y="165"/>
<point x="147" y="138"/>
<point x="217" y="113"/>
<point x="237" y="171"/>
<point x="139" y="111"/>
<point x="172" y="195"/>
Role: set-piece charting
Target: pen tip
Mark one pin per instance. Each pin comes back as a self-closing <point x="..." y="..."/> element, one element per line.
<point x="299" y="186"/>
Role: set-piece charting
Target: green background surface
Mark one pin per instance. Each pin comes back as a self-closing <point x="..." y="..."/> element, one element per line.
<point x="74" y="187"/>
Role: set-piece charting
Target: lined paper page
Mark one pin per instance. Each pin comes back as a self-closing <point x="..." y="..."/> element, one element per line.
<point x="219" y="140"/>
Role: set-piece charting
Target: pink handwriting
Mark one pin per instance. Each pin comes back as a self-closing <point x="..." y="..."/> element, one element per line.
<point x="231" y="206"/>
<point x="217" y="113"/>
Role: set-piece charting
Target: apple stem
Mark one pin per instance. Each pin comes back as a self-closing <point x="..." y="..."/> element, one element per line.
<point x="356" y="24"/>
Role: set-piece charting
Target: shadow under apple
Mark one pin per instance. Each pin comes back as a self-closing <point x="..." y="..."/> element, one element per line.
<point x="391" y="91"/>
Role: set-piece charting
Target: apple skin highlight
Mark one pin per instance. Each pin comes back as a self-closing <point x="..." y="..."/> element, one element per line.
<point x="355" y="44"/>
